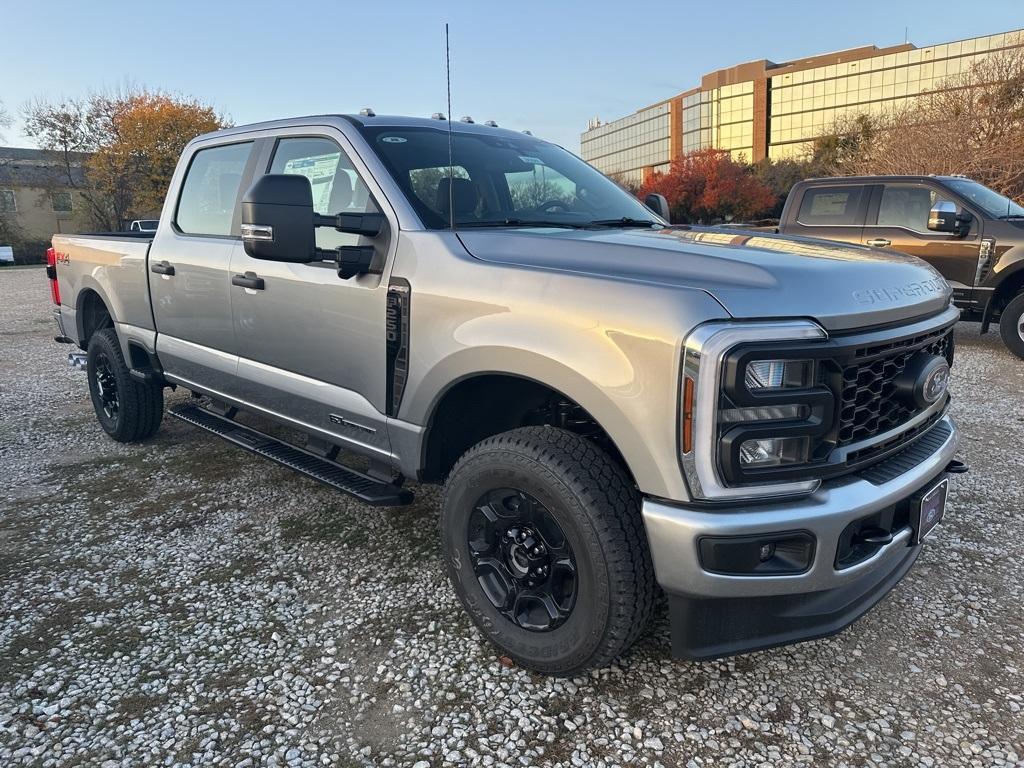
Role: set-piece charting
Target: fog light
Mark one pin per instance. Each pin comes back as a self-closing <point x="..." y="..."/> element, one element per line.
<point x="774" y="451"/>
<point x="768" y="555"/>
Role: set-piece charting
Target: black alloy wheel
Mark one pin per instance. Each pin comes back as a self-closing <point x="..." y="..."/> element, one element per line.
<point x="522" y="559"/>
<point x="106" y="386"/>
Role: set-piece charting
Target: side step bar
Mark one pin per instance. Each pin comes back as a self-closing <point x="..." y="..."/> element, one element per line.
<point x="365" y="488"/>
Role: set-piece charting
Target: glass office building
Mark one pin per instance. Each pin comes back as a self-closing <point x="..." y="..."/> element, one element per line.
<point x="762" y="109"/>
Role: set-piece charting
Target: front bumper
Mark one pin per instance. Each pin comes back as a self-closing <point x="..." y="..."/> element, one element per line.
<point x="715" y="614"/>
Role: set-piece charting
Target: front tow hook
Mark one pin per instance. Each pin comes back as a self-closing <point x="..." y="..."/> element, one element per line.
<point x="78" y="360"/>
<point x="877" y="537"/>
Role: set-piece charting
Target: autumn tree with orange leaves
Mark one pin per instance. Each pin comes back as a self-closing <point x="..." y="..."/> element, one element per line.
<point x="708" y="186"/>
<point x="133" y="138"/>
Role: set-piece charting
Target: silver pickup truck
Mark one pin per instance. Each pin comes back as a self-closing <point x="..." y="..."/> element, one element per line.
<point x="757" y="424"/>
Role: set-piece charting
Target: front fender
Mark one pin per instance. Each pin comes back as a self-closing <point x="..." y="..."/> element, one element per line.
<point x="622" y="370"/>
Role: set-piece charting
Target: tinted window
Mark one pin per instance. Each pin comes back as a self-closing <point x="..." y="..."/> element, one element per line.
<point x="207" y="202"/>
<point x="829" y="206"/>
<point x="337" y="187"/>
<point x="907" y="206"/>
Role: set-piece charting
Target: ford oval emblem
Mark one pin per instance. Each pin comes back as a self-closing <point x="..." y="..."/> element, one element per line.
<point x="934" y="381"/>
<point x="924" y="380"/>
<point x="394" y="139"/>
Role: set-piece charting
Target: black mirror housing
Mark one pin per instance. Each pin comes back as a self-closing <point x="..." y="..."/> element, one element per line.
<point x="278" y="219"/>
<point x="658" y="204"/>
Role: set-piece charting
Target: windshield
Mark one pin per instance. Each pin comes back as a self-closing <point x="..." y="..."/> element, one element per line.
<point x="995" y="205"/>
<point x="501" y="181"/>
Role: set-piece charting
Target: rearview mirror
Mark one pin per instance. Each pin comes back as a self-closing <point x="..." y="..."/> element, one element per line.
<point x="277" y="219"/>
<point x="658" y="204"/>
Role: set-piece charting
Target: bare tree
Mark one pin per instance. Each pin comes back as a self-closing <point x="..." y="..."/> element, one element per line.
<point x="972" y="123"/>
<point x="5" y="119"/>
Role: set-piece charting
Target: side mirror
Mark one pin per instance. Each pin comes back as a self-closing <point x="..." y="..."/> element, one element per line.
<point x="942" y="217"/>
<point x="277" y="219"/>
<point x="658" y="204"/>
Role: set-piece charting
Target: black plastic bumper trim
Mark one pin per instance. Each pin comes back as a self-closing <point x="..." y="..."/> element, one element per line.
<point x="709" y="628"/>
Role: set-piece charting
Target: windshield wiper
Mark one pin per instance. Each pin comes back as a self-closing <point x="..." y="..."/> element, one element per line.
<point x="625" y="221"/>
<point x="517" y="223"/>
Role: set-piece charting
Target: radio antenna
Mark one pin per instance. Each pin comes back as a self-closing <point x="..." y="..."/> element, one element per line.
<point x="451" y="162"/>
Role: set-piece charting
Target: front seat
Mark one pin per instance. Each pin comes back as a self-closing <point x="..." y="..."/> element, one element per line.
<point x="461" y="192"/>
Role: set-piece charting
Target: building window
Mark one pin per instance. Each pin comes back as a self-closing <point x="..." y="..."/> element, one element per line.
<point x="61" y="202"/>
<point x="8" y="203"/>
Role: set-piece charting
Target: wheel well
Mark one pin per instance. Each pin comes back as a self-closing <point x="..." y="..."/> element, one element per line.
<point x="93" y="316"/>
<point x="1007" y="290"/>
<point x="486" y="405"/>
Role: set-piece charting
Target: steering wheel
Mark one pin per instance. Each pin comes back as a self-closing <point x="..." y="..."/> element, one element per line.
<point x="548" y="205"/>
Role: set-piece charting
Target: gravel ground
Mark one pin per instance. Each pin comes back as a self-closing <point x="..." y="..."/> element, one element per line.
<point x="181" y="602"/>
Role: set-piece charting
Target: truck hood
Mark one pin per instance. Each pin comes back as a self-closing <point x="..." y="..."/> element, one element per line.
<point x="753" y="275"/>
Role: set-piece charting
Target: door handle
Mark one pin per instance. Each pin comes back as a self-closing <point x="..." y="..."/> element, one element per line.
<point x="162" y="268"/>
<point x="878" y="242"/>
<point x="248" y="280"/>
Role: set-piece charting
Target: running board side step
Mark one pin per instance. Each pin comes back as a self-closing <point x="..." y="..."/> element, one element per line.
<point x="365" y="488"/>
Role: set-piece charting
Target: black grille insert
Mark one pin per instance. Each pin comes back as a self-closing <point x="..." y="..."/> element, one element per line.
<point x="868" y="402"/>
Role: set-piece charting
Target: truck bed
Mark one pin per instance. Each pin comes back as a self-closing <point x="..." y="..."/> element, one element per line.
<point x="111" y="265"/>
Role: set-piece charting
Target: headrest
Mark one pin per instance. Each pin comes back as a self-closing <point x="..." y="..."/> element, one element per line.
<point x="463" y="194"/>
<point x="341" y="193"/>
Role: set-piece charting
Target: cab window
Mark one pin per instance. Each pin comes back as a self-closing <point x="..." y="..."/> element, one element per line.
<point x="337" y="187"/>
<point x="908" y="206"/>
<point x="209" y="194"/>
<point x="831" y="206"/>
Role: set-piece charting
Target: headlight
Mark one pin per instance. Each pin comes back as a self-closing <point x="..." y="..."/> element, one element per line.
<point x="750" y="416"/>
<point x="765" y="375"/>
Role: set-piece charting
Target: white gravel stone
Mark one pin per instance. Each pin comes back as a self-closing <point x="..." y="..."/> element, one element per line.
<point x="182" y="603"/>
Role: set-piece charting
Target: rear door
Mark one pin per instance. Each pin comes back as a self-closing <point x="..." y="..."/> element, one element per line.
<point x="312" y="345"/>
<point x="832" y="212"/>
<point x="898" y="219"/>
<point x="189" y="280"/>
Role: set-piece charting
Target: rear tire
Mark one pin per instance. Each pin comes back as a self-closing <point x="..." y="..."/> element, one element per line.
<point x="1011" y="325"/>
<point x="128" y="410"/>
<point x="547" y="486"/>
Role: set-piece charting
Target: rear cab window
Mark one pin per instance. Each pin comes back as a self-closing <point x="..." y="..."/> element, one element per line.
<point x="831" y="206"/>
<point x="209" y="194"/>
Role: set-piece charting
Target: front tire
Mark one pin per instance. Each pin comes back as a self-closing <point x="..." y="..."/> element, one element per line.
<point x="1011" y="325"/>
<point x="128" y="410"/>
<point x="546" y="549"/>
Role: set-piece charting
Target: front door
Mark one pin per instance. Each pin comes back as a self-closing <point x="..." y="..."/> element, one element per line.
<point x="188" y="271"/>
<point x="899" y="220"/>
<point x="311" y="345"/>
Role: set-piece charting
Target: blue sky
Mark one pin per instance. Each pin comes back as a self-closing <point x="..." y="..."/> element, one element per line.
<point x="545" y="66"/>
